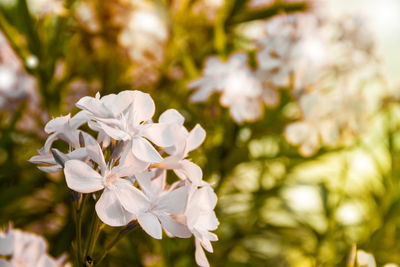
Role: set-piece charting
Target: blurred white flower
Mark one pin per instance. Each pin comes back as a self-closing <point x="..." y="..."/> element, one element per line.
<point x="44" y="7"/>
<point x="26" y="249"/>
<point x="240" y="88"/>
<point x="15" y="84"/>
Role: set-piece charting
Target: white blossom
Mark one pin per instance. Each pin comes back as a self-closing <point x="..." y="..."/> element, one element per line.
<point x="126" y="166"/>
<point x="26" y="249"/>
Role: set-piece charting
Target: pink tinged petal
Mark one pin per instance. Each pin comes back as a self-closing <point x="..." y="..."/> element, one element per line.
<point x="200" y="256"/>
<point x="6" y="243"/>
<point x="150" y="224"/>
<point x="161" y="134"/>
<point x="78" y="153"/>
<point x="142" y="106"/>
<point x="115" y="104"/>
<point x="206" y="244"/>
<point x="50" y="169"/>
<point x="196" y="138"/>
<point x="94" y="152"/>
<point x="145" y="151"/>
<point x="80" y="118"/>
<point x="57" y="124"/>
<point x="144" y="181"/>
<point x="93" y="105"/>
<point x="173" y="202"/>
<point x="4" y="263"/>
<point x="206" y="221"/>
<point x="203" y="93"/>
<point x="114" y="133"/>
<point x="81" y="177"/>
<point x="171" y="116"/>
<point x="46" y="159"/>
<point x="207" y="197"/>
<point x="129" y="164"/>
<point x="49" y="142"/>
<point x="152" y="182"/>
<point x="110" y="210"/>
<point x="46" y="261"/>
<point x="191" y="171"/>
<point x="173" y="227"/>
<point x="131" y="198"/>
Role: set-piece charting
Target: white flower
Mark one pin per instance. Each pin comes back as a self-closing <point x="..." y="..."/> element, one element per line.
<point x="127" y="117"/>
<point x="185" y="142"/>
<point x="240" y="87"/>
<point x="118" y="192"/>
<point x="125" y="128"/>
<point x="155" y="207"/>
<point x="200" y="219"/>
<point x="26" y="249"/>
<point x="15" y="84"/>
<point x="317" y="123"/>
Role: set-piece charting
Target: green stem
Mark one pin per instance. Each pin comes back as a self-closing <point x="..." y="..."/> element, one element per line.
<point x="131" y="226"/>
<point x="94" y="232"/>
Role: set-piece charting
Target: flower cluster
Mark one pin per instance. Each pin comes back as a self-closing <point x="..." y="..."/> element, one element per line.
<point x="241" y="89"/>
<point x="322" y="61"/>
<point x="26" y="249"/>
<point x="127" y="166"/>
<point x="327" y="116"/>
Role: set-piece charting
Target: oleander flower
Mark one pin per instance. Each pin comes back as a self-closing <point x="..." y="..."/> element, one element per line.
<point x="126" y="166"/>
<point x="26" y="249"/>
<point x="240" y="87"/>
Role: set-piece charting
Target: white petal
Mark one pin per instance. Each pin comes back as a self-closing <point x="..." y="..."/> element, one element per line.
<point x="190" y="171"/>
<point x="143" y="150"/>
<point x="152" y="182"/>
<point x="150" y="224"/>
<point x="94" y="152"/>
<point x="171" y="116"/>
<point x="196" y="138"/>
<point x="142" y="106"/>
<point x="114" y="133"/>
<point x="202" y="93"/>
<point x="173" y="227"/>
<point x="161" y="134"/>
<point x="116" y="104"/>
<point x="80" y="118"/>
<point x="50" y="169"/>
<point x="4" y="263"/>
<point x="174" y="202"/>
<point x="131" y="198"/>
<point x="46" y="159"/>
<point x="110" y="210"/>
<point x="49" y="142"/>
<point x="200" y="256"/>
<point x="6" y="243"/>
<point x="129" y="164"/>
<point x="81" y="177"/>
<point x="57" y="124"/>
<point x="95" y="106"/>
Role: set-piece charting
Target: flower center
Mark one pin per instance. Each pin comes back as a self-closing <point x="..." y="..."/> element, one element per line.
<point x="110" y="179"/>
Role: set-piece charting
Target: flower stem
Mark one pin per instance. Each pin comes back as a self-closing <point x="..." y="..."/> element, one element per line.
<point x="128" y="228"/>
<point x="95" y="230"/>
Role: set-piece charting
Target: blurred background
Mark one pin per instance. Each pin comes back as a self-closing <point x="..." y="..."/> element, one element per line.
<point x="299" y="99"/>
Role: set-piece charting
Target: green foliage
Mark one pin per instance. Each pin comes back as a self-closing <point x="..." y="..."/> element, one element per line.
<point x="251" y="165"/>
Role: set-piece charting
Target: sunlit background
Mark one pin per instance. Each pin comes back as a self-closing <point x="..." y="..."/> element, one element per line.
<point x="299" y="100"/>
